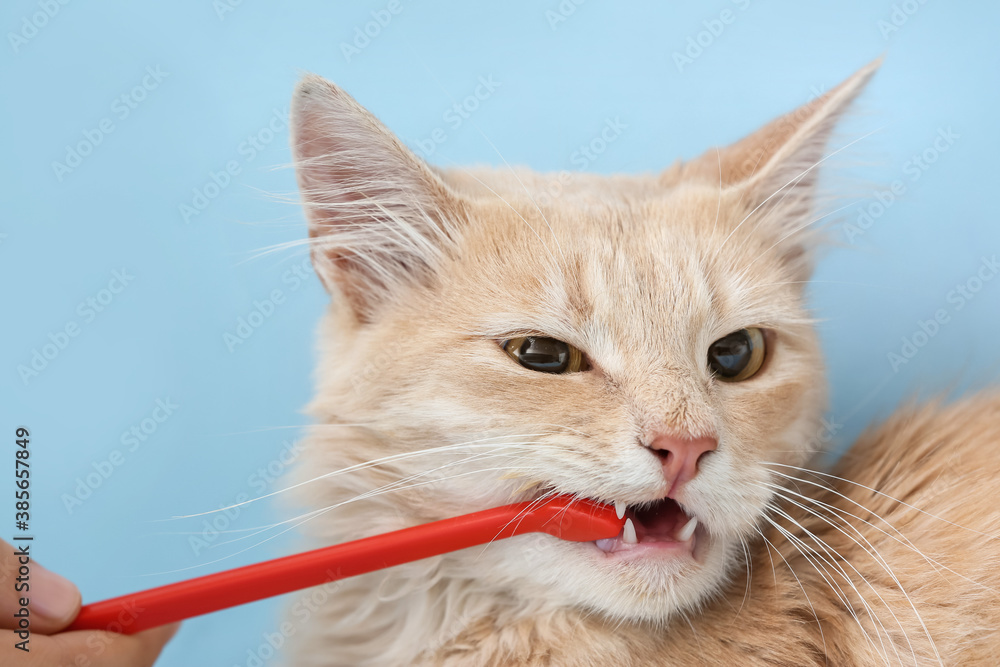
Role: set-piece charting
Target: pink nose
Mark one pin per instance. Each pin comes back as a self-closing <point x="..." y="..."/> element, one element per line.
<point x="680" y="457"/>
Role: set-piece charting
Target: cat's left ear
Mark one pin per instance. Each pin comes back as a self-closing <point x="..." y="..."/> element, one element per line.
<point x="379" y="218"/>
<point x="776" y="167"/>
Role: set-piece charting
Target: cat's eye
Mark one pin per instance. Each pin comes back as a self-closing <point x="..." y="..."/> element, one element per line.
<point x="545" y="355"/>
<point x="738" y="356"/>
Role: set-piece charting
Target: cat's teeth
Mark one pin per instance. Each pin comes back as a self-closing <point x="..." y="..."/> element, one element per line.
<point x="628" y="534"/>
<point x="619" y="508"/>
<point x="687" y="531"/>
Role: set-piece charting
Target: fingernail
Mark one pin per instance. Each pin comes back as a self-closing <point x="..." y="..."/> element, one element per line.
<point x="52" y="595"/>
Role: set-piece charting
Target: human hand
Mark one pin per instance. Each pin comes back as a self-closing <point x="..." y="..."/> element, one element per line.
<point x="54" y="603"/>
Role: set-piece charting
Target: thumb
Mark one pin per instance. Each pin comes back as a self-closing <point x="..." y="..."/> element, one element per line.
<point x="52" y="601"/>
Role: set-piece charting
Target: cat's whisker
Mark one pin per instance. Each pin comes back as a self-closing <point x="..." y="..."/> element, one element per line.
<point x="883" y="563"/>
<point x="228" y="531"/>
<point x="877" y="557"/>
<point x="774" y="573"/>
<point x="563" y="426"/>
<point x="305" y="427"/>
<point x="259" y="530"/>
<point x="518" y="518"/>
<point x="827" y="576"/>
<point x="384" y="488"/>
<point x="937" y="565"/>
<point x="783" y="492"/>
<point x="523" y="513"/>
<point x="402" y="485"/>
<point x="901" y="539"/>
<point x="395" y="487"/>
<point x="368" y="464"/>
<point x="694" y="631"/>
<point x="875" y="491"/>
<point x="798" y="581"/>
<point x="315" y="513"/>
<point x="840" y="511"/>
<point x="378" y="491"/>
<point x="805" y="551"/>
<point x="748" y="564"/>
<point x="492" y="454"/>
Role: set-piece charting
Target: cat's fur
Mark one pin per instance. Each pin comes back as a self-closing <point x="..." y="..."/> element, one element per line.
<point x="430" y="269"/>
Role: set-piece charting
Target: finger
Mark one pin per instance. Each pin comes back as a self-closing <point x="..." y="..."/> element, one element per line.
<point x="88" y="647"/>
<point x="52" y="600"/>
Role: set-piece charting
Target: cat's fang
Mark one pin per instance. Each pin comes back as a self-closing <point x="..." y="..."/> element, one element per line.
<point x="628" y="533"/>
<point x="687" y="531"/>
<point x="619" y="508"/>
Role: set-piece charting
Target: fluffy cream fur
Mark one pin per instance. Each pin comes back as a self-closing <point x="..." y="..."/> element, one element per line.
<point x="430" y="269"/>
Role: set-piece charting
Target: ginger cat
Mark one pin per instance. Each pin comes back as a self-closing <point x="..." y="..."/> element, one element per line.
<point x="639" y="340"/>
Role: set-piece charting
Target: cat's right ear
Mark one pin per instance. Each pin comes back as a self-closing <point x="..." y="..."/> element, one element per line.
<point x="379" y="218"/>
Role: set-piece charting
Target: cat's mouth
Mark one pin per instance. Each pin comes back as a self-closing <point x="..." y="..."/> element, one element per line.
<point x="661" y="526"/>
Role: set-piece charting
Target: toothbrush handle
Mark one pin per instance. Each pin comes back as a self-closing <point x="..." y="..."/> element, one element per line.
<point x="576" y="520"/>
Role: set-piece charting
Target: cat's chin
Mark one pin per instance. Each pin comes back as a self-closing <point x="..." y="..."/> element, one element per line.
<point x="649" y="581"/>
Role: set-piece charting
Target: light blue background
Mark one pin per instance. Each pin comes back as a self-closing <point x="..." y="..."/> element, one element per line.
<point x="162" y="337"/>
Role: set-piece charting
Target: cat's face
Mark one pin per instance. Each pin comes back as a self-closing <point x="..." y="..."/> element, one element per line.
<point x="564" y="344"/>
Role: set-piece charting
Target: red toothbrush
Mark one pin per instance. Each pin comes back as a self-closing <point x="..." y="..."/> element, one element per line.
<point x="562" y="516"/>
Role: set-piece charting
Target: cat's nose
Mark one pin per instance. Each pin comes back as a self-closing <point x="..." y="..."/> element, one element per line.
<point x="680" y="457"/>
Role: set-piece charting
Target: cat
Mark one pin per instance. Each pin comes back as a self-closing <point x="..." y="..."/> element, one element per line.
<point x="638" y="340"/>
